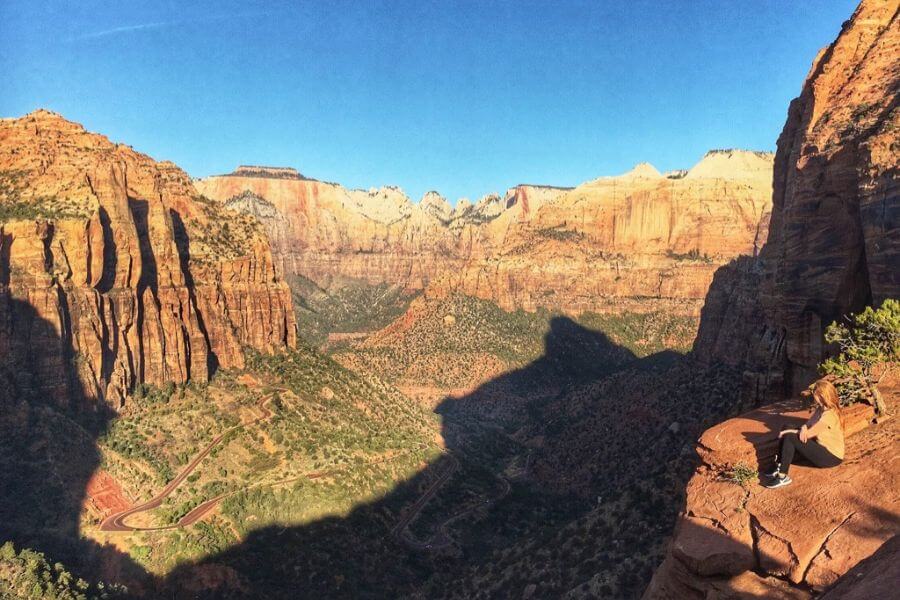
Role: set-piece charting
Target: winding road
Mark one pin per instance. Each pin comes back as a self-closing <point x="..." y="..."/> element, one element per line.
<point x="442" y="538"/>
<point x="116" y="521"/>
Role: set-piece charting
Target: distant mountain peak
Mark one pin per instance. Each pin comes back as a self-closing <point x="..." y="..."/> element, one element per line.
<point x="268" y="172"/>
<point x="733" y="163"/>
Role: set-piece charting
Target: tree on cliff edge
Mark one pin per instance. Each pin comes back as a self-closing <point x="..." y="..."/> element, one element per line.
<point x="868" y="347"/>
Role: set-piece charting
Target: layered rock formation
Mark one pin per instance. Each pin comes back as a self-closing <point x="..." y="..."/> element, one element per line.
<point x="834" y="239"/>
<point x="833" y="247"/>
<point x="640" y="241"/>
<point x="112" y="264"/>
<point x="735" y="539"/>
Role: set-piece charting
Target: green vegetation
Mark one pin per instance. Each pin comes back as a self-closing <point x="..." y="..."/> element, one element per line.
<point x="14" y="206"/>
<point x="645" y="333"/>
<point x="691" y="255"/>
<point x="741" y="474"/>
<point x="28" y="574"/>
<point x="460" y="340"/>
<point x="333" y="440"/>
<point x="868" y="343"/>
<point x="345" y="307"/>
<point x="221" y="233"/>
<point x="561" y="234"/>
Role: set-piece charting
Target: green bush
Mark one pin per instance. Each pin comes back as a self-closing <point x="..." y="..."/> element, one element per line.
<point x="867" y="344"/>
<point x="741" y="474"/>
<point x="28" y="574"/>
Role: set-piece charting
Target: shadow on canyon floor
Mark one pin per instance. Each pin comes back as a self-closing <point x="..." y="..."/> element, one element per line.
<point x="49" y="454"/>
<point x="48" y="450"/>
<point x="360" y="555"/>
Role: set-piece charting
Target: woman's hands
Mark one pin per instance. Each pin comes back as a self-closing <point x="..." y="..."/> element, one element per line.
<point x="802" y="433"/>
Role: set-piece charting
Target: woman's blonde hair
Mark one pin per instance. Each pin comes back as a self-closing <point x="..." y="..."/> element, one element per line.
<point x="825" y="395"/>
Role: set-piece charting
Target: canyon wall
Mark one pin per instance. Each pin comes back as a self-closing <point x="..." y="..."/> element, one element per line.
<point x="638" y="242"/>
<point x="641" y="241"/>
<point x="833" y="245"/>
<point x="114" y="272"/>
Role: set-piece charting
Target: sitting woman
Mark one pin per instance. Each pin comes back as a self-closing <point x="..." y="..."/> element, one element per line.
<point x="820" y="440"/>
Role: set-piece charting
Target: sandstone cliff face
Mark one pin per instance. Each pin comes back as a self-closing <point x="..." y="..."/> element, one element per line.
<point x="640" y="241"/>
<point x="138" y="278"/>
<point x="833" y="247"/>
<point x="834" y="239"/>
<point x="637" y="242"/>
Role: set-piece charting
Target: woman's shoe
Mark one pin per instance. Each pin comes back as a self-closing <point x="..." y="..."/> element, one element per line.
<point x="774" y="471"/>
<point x="779" y="481"/>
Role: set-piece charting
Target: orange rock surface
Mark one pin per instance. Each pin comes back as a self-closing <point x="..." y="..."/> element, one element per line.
<point x="639" y="241"/>
<point x="732" y="538"/>
<point x="111" y="263"/>
<point x="834" y="239"/>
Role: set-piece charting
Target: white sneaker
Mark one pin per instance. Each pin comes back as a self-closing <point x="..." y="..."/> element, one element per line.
<point x="779" y="481"/>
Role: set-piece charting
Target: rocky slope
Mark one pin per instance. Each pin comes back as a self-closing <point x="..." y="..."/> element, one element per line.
<point x="833" y="247"/>
<point x="834" y="242"/>
<point x="112" y="263"/>
<point x="737" y="538"/>
<point x="641" y="241"/>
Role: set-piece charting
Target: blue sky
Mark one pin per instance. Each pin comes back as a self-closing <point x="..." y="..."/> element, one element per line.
<point x="461" y="97"/>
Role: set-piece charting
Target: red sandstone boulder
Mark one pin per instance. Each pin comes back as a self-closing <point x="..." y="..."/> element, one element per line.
<point x="808" y="534"/>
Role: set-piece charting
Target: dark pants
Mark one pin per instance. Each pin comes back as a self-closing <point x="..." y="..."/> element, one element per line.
<point x="812" y="451"/>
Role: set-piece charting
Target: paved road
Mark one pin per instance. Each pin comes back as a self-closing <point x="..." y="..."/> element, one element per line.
<point x="116" y="522"/>
<point x="410" y="515"/>
<point x="442" y="538"/>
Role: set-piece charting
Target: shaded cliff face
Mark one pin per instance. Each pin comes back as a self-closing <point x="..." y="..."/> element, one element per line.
<point x="639" y="241"/>
<point x="833" y="247"/>
<point x="834" y="238"/>
<point x="140" y="279"/>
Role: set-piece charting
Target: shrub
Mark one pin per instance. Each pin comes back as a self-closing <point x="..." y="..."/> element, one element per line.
<point x="741" y="473"/>
<point x="867" y="345"/>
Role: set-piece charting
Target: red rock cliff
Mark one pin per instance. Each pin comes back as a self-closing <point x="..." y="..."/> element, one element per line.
<point x="834" y="239"/>
<point x="640" y="241"/>
<point x="746" y="541"/>
<point x="111" y="262"/>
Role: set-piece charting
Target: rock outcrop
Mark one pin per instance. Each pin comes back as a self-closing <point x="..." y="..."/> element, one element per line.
<point x="735" y="539"/>
<point x="639" y="241"/>
<point x="833" y="247"/>
<point x="833" y="244"/>
<point x="140" y="279"/>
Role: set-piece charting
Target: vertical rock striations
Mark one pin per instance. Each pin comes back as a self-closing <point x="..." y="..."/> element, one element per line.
<point x="833" y="247"/>
<point x="834" y="239"/>
<point x="640" y="241"/>
<point x="142" y="280"/>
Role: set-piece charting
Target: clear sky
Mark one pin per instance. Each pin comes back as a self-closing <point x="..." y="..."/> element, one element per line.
<point x="461" y="97"/>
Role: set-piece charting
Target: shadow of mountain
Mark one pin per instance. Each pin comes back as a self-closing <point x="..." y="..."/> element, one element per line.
<point x="48" y="450"/>
<point x="362" y="555"/>
<point x="590" y="400"/>
<point x="440" y="551"/>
